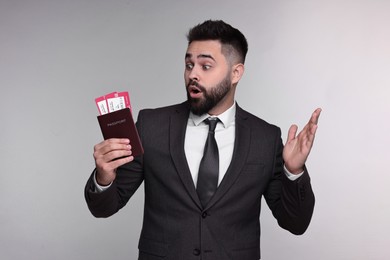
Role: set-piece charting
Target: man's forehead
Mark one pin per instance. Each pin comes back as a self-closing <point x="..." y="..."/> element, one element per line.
<point x="204" y="49"/>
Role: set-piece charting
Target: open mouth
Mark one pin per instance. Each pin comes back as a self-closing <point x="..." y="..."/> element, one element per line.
<point x="194" y="91"/>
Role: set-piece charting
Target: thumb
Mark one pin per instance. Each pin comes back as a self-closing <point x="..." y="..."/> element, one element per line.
<point x="292" y="132"/>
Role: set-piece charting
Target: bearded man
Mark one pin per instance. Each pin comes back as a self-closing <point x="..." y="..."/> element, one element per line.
<point x="207" y="163"/>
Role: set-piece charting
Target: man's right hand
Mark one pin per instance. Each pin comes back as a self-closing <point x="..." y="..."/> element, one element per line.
<point x="106" y="156"/>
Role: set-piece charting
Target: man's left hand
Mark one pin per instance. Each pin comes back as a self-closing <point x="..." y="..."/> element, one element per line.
<point x="297" y="147"/>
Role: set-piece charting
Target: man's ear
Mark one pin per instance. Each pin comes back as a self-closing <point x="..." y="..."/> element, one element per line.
<point x="237" y="72"/>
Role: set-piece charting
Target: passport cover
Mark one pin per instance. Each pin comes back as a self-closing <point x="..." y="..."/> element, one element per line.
<point x="120" y="124"/>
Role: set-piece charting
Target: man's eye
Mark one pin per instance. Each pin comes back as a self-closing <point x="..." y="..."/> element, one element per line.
<point x="206" y="67"/>
<point x="189" y="66"/>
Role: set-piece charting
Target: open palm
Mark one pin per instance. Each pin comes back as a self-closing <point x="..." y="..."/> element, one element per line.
<point x="298" y="147"/>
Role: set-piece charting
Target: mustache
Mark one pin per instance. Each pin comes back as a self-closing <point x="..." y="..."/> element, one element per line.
<point x="196" y="84"/>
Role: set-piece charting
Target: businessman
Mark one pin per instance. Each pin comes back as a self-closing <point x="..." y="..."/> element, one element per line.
<point x="207" y="163"/>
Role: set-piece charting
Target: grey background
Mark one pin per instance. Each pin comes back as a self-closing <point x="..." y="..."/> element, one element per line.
<point x="57" y="56"/>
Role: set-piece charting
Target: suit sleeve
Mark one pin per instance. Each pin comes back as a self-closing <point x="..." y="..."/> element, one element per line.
<point x="291" y="202"/>
<point x="128" y="178"/>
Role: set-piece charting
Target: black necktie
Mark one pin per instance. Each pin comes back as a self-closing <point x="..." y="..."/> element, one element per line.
<point x="209" y="165"/>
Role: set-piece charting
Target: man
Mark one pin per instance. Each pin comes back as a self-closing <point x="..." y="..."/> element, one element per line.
<point x="249" y="161"/>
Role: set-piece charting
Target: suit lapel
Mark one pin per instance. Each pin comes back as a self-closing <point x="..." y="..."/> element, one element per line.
<point x="240" y="153"/>
<point x="178" y="125"/>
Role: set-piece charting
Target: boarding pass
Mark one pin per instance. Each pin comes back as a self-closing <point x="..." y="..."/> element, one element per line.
<point x="112" y="102"/>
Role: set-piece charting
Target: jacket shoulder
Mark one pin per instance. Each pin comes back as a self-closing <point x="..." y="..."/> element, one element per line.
<point x="255" y="121"/>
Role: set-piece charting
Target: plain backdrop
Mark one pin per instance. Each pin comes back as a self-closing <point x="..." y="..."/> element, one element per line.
<point x="57" y="56"/>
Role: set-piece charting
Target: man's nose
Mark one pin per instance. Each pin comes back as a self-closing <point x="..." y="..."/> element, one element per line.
<point x="194" y="74"/>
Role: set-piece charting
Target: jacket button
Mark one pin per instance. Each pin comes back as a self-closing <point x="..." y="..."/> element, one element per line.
<point x="196" y="252"/>
<point x="204" y="215"/>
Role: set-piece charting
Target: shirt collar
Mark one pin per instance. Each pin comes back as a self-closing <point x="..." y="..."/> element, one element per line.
<point x="226" y="117"/>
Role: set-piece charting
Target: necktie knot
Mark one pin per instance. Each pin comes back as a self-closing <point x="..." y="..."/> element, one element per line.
<point x="212" y="122"/>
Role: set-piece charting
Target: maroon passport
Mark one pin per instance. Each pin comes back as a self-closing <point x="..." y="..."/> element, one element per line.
<point x="120" y="124"/>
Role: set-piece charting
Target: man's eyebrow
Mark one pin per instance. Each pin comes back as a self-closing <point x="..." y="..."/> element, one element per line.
<point x="207" y="56"/>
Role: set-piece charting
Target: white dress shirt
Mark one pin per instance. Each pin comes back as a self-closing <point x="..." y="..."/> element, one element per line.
<point x="196" y="136"/>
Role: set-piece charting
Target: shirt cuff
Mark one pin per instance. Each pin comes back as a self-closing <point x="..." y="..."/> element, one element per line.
<point x="99" y="188"/>
<point x="290" y="176"/>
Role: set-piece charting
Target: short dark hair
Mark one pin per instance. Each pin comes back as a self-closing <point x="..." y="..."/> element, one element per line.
<point x="232" y="39"/>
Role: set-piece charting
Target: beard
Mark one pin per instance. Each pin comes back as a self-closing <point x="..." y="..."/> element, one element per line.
<point x="211" y="98"/>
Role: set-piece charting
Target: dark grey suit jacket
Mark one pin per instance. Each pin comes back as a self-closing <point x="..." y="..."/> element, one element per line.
<point x="175" y="225"/>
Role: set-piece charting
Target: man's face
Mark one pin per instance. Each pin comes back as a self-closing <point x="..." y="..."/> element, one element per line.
<point x="208" y="78"/>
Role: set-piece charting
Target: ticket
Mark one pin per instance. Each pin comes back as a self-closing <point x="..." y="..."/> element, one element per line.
<point x="101" y="104"/>
<point x="113" y="101"/>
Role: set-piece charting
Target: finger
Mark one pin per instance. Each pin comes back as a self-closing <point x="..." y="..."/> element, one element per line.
<point x="111" y="141"/>
<point x="111" y="154"/>
<point x="111" y="146"/>
<point x="313" y="130"/>
<point x="315" y="116"/>
<point x="112" y="165"/>
<point x="119" y="162"/>
<point x="108" y="162"/>
<point x="115" y="154"/>
<point x="292" y="132"/>
<point x="311" y="136"/>
<point x="115" y="148"/>
<point x="121" y="140"/>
